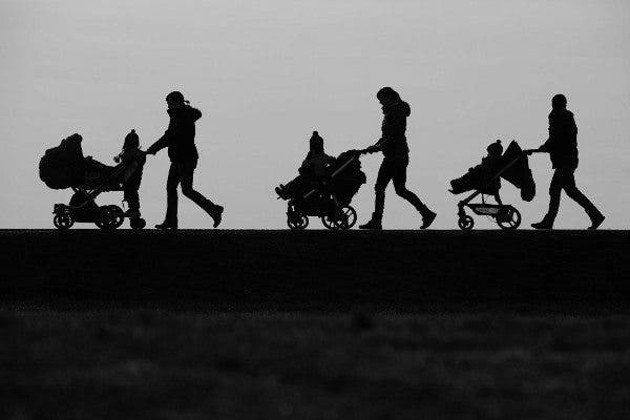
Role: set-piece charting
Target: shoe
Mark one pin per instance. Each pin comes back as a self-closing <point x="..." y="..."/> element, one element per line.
<point x="542" y="225"/>
<point x="166" y="225"/>
<point x="217" y="215"/>
<point x="596" y="222"/>
<point x="372" y="225"/>
<point x="427" y="219"/>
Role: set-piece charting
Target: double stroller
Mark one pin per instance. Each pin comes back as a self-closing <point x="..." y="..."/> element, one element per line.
<point x="329" y="197"/>
<point x="65" y="167"/>
<point x="485" y="180"/>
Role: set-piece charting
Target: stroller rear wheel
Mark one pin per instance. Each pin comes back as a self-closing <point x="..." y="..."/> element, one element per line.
<point x="110" y="217"/>
<point x="331" y="222"/>
<point x="63" y="221"/>
<point x="509" y="219"/>
<point x="466" y="222"/>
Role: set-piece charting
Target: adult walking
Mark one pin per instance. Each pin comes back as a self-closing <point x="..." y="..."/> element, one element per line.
<point x="563" y="151"/>
<point x="180" y="140"/>
<point x="393" y="144"/>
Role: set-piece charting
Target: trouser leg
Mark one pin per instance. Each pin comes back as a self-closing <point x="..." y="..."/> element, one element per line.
<point x="383" y="178"/>
<point x="576" y="195"/>
<point x="399" y="170"/>
<point x="555" y="189"/>
<point x="187" y="176"/>
<point x="132" y="198"/>
<point x="172" y="183"/>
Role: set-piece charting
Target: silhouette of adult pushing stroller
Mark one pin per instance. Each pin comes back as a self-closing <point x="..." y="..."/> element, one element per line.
<point x="393" y="144"/>
<point x="180" y="140"/>
<point x="562" y="148"/>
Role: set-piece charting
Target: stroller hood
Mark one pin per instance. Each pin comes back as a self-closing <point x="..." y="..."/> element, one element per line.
<point x="346" y="176"/>
<point x="516" y="171"/>
<point x="63" y="166"/>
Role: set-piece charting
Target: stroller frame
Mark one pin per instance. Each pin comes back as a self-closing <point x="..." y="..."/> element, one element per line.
<point x="325" y="205"/>
<point x="505" y="215"/>
<point x="106" y="217"/>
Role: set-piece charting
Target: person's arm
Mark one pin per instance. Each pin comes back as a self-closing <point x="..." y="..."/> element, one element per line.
<point x="376" y="147"/>
<point x="160" y="144"/>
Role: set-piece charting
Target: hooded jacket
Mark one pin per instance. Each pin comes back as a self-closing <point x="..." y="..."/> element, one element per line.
<point x="562" y="142"/>
<point x="180" y="135"/>
<point x="393" y="142"/>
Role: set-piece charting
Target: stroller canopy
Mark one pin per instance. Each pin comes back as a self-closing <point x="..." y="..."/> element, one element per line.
<point x="516" y="171"/>
<point x="63" y="166"/>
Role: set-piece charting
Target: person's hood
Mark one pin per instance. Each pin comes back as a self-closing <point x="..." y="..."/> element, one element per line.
<point x="186" y="111"/>
<point x="560" y="113"/>
<point x="400" y="106"/>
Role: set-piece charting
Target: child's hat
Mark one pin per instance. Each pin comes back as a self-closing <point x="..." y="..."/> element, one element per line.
<point x="131" y="140"/>
<point x="495" y="148"/>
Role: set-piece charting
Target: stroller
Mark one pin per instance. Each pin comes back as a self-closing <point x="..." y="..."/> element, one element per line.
<point x="330" y="198"/>
<point x="64" y="167"/>
<point x="511" y="166"/>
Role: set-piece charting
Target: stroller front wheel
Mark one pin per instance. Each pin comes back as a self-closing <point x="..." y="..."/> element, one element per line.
<point x="466" y="222"/>
<point x="509" y="219"/>
<point x="297" y="221"/>
<point x="63" y="221"/>
<point x="110" y="217"/>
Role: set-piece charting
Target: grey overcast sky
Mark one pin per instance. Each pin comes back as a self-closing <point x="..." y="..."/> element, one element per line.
<point x="266" y="73"/>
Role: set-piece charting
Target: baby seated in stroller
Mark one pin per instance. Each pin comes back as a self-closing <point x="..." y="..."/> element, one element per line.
<point x="314" y="168"/>
<point x="483" y="177"/>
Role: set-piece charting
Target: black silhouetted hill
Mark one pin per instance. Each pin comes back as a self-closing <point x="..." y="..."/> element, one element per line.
<point x="318" y="270"/>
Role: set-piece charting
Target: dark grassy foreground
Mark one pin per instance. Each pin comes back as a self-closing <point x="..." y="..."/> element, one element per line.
<point x="314" y="325"/>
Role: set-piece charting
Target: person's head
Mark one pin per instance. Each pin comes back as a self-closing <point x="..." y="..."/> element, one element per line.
<point x="131" y="140"/>
<point x="495" y="149"/>
<point x="387" y="96"/>
<point x="559" y="101"/>
<point x="316" y="143"/>
<point x="175" y="99"/>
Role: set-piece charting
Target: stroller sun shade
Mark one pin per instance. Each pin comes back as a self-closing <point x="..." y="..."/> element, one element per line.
<point x="63" y="166"/>
<point x="517" y="171"/>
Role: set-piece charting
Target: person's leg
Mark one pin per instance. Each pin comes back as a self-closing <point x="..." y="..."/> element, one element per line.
<point x="133" y="200"/>
<point x="399" y="176"/>
<point x="576" y="195"/>
<point x="555" y="189"/>
<point x="382" y="179"/>
<point x="172" y="182"/>
<point x="187" y="176"/>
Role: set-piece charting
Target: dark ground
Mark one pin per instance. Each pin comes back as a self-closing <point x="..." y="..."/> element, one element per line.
<point x="315" y="324"/>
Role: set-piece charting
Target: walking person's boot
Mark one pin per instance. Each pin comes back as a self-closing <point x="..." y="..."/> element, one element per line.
<point x="544" y="224"/>
<point x="596" y="221"/>
<point x="373" y="224"/>
<point x="167" y="224"/>
<point x="217" y="215"/>
<point x="428" y="217"/>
